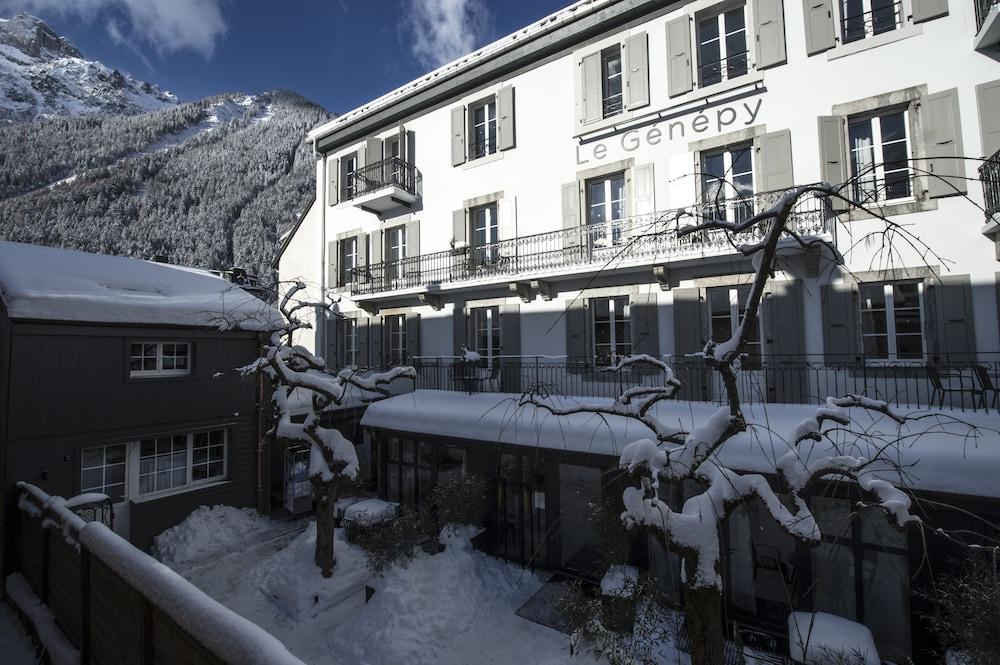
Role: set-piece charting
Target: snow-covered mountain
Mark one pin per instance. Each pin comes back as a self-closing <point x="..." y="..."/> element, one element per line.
<point x="44" y="75"/>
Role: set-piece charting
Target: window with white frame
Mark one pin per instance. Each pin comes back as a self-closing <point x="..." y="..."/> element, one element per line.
<point x="392" y="149"/>
<point x="348" y="333"/>
<point x="727" y="182"/>
<point x="486" y="332"/>
<point x="485" y="234"/>
<point x="483" y="118"/>
<point x="722" y="46"/>
<point x="866" y="18"/>
<point x="348" y="260"/>
<point x="395" y="239"/>
<point x="103" y="469"/>
<point x="348" y="176"/>
<point x="159" y="358"/>
<point x="727" y="306"/>
<point x="181" y="461"/>
<point x="880" y="156"/>
<point x="612" y="87"/>
<point x="612" y="336"/>
<point x="605" y="209"/>
<point x="891" y="320"/>
<point x="396" y="336"/>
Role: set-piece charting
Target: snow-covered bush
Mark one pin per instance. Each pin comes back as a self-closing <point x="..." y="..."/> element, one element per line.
<point x="390" y="542"/>
<point x="462" y="501"/>
<point x="966" y="617"/>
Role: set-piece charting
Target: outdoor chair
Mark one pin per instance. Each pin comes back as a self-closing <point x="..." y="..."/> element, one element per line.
<point x="473" y="378"/>
<point x="987" y="387"/>
<point x="944" y="383"/>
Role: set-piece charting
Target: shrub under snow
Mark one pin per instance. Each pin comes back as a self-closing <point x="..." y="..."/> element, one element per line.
<point x="209" y="531"/>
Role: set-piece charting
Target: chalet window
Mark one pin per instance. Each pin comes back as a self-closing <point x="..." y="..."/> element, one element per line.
<point x="102" y="469"/>
<point x="880" y="157"/>
<point x="396" y="333"/>
<point x="727" y="182"/>
<point x="159" y="359"/>
<point x="181" y="461"/>
<point x="486" y="330"/>
<point x="866" y="18"/>
<point x="722" y="46"/>
<point x="605" y="209"/>
<point x="612" y="336"/>
<point x="483" y="134"/>
<point x="727" y="305"/>
<point x="348" y="260"/>
<point x="348" y="334"/>
<point x="891" y="321"/>
<point x="611" y="81"/>
<point x="485" y="234"/>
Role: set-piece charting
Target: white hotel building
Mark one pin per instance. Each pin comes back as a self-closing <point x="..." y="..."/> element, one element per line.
<point x="520" y="202"/>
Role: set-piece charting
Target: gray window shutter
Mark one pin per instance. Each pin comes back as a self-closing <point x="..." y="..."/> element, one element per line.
<point x="459" y="326"/>
<point x="373" y="151"/>
<point x="505" y="113"/>
<point x="645" y="324"/>
<point x="833" y="160"/>
<point x="332" y="274"/>
<point x="784" y="342"/>
<point x="376" y="247"/>
<point x="375" y="341"/>
<point x="331" y="354"/>
<point x="645" y="200"/>
<point x="769" y="21"/>
<point x="507" y="224"/>
<point x="679" y="76"/>
<point x="458" y="135"/>
<point x="690" y="336"/>
<point x="510" y="344"/>
<point x="404" y="149"/>
<point x="363" y="346"/>
<point x="332" y="171"/>
<point x="637" y="60"/>
<point x="413" y="240"/>
<point x="952" y="323"/>
<point x="943" y="144"/>
<point x="840" y="324"/>
<point x="412" y="335"/>
<point x="459" y="228"/>
<point x="925" y="10"/>
<point x="590" y="103"/>
<point x="776" y="161"/>
<point x="571" y="214"/>
<point x="820" y="31"/>
<point x="362" y="250"/>
<point x="988" y="100"/>
<point x="577" y="348"/>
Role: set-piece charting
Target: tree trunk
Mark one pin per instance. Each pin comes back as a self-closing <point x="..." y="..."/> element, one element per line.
<point x="325" y="497"/>
<point x="703" y="607"/>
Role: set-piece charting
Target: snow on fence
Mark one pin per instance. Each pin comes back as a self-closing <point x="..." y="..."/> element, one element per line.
<point x="115" y="603"/>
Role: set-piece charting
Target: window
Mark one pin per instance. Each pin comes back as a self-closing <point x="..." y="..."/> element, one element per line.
<point x="102" y="469"/>
<point x="159" y="358"/>
<point x="180" y="461"/>
<point x="396" y="332"/>
<point x="348" y="176"/>
<point x="727" y="182"/>
<point x="348" y="260"/>
<point x="880" y="153"/>
<point x="611" y="329"/>
<point x="486" y="332"/>
<point x="722" y="46"/>
<point x="891" y="321"/>
<point x="483" y="117"/>
<point x="396" y="246"/>
<point x="866" y="18"/>
<point x="484" y="234"/>
<point x="348" y="333"/>
<point x="606" y="209"/>
<point x="727" y="305"/>
<point x="392" y="150"/>
<point x="413" y="468"/>
<point x="611" y="81"/>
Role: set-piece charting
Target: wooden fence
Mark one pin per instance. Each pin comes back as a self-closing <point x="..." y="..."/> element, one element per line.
<point x="115" y="604"/>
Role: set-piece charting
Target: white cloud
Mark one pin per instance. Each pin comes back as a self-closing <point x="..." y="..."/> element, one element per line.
<point x="442" y="30"/>
<point x="166" y="25"/>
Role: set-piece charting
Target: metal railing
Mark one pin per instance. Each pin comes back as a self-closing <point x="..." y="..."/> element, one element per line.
<point x="643" y="238"/>
<point x="989" y="174"/>
<point x="389" y="172"/>
<point x="967" y="385"/>
<point x="612" y="105"/>
<point x="854" y="27"/>
<point x="482" y="148"/>
<point x="983" y="8"/>
<point x="733" y="65"/>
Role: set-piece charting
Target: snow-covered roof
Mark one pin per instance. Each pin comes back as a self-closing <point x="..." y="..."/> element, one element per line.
<point x="492" y="50"/>
<point x="53" y="284"/>
<point x="945" y="456"/>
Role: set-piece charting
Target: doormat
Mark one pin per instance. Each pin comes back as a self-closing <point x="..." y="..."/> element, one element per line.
<point x="542" y="607"/>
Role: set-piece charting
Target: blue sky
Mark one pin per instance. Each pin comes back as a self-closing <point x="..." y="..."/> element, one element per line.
<point x="339" y="53"/>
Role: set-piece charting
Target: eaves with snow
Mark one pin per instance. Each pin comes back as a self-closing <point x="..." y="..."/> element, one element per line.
<point x="50" y="284"/>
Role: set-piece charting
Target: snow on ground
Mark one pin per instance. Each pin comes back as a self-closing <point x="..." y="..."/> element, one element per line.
<point x="210" y="531"/>
<point x="452" y="608"/>
<point x="15" y="645"/>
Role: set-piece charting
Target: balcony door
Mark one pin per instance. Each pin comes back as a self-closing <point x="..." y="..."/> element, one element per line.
<point x="485" y="236"/>
<point x="605" y="210"/>
<point x="726" y="307"/>
<point x="727" y="183"/>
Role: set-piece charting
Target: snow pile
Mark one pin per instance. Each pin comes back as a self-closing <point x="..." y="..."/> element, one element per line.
<point x="825" y="639"/>
<point x="59" y="649"/>
<point x="207" y="532"/>
<point x="63" y="285"/>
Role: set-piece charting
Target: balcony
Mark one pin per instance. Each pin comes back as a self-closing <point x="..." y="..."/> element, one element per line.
<point x="987" y="23"/>
<point x="383" y="186"/>
<point x="989" y="174"/>
<point x="633" y="242"/>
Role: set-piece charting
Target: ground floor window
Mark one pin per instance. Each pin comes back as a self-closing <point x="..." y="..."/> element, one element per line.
<point x="612" y="336"/>
<point x="396" y="333"/>
<point x="727" y="306"/>
<point x="102" y="469"/>
<point x="412" y="468"/>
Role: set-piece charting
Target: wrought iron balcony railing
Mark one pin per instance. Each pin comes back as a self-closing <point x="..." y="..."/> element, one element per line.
<point x="983" y="8"/>
<point x="389" y="172"/>
<point x="989" y="174"/>
<point x="883" y="18"/>
<point x="634" y="240"/>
